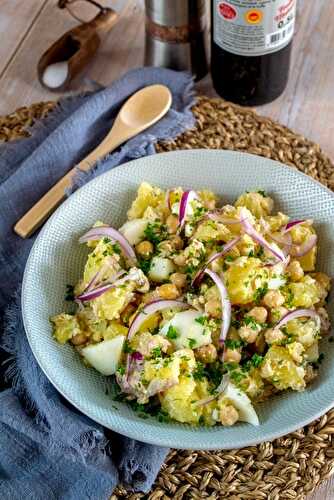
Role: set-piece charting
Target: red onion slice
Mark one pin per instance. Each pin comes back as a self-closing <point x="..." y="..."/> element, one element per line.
<point x="218" y="391"/>
<point x="94" y="294"/>
<point x="97" y="233"/>
<point x="226" y="304"/>
<point x="97" y="277"/>
<point x="151" y="308"/>
<point x="91" y="294"/>
<point x="300" y="251"/>
<point x="186" y="199"/>
<point x="226" y="248"/>
<point x="218" y="217"/>
<point x="292" y="224"/>
<point x="141" y="316"/>
<point x="298" y="313"/>
<point x="251" y="231"/>
<point x="285" y="240"/>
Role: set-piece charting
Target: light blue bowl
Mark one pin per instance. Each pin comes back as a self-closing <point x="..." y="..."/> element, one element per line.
<point x="57" y="259"/>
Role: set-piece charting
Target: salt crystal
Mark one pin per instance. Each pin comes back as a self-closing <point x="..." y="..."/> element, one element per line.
<point x="55" y="74"/>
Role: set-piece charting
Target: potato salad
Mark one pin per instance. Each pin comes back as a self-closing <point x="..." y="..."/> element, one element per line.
<point x="199" y="309"/>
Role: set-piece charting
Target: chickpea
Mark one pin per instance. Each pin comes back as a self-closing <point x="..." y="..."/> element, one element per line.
<point x="79" y="339"/>
<point x="165" y="248"/>
<point x="168" y="291"/>
<point x="177" y="242"/>
<point x="206" y="353"/>
<point x="231" y="356"/>
<point x="151" y="296"/>
<point x="172" y="223"/>
<point x="273" y="335"/>
<point x="179" y="280"/>
<point x="248" y="334"/>
<point x="228" y="415"/>
<point x="259" y="314"/>
<point x="295" y="270"/>
<point x="180" y="260"/>
<point x="127" y="313"/>
<point x="210" y="204"/>
<point x="213" y="308"/>
<point x="144" y="249"/>
<point x="277" y="313"/>
<point x="273" y="298"/>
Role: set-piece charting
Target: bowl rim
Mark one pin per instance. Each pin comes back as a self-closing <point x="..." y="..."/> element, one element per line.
<point x="114" y="426"/>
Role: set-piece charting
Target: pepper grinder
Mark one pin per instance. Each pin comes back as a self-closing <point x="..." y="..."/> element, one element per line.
<point x="176" y="35"/>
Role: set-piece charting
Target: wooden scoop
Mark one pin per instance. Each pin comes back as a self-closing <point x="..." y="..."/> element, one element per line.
<point x="143" y="109"/>
<point x="76" y="48"/>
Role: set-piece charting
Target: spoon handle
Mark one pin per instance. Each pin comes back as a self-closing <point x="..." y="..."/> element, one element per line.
<point x="35" y="217"/>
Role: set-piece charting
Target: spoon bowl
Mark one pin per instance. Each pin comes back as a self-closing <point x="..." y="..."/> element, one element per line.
<point x="146" y="106"/>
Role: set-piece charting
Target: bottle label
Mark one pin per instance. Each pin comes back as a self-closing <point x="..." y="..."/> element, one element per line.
<point x="253" y="27"/>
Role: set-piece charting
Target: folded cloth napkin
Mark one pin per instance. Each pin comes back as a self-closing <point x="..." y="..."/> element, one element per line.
<point x="47" y="448"/>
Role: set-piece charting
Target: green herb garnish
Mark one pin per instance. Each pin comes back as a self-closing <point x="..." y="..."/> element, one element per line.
<point x="172" y="333"/>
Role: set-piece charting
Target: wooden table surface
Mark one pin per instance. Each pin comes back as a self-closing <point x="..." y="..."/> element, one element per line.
<point x="28" y="27"/>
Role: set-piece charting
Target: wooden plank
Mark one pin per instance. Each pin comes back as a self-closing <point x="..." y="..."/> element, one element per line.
<point x="121" y="50"/>
<point x="16" y="20"/>
<point x="307" y="106"/>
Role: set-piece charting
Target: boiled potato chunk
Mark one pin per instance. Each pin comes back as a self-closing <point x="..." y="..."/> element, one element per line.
<point x="106" y="355"/>
<point x="281" y="370"/>
<point x="185" y="330"/>
<point x="134" y="230"/>
<point x="160" y="270"/>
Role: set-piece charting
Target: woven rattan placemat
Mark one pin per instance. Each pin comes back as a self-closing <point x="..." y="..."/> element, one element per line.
<point x="289" y="467"/>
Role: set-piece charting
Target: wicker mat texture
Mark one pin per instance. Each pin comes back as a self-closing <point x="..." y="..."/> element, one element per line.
<point x="290" y="467"/>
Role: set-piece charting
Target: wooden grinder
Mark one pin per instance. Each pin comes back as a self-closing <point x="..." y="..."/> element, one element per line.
<point x="77" y="47"/>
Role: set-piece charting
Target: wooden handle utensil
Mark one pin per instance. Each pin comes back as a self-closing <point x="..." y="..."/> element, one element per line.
<point x="141" y="110"/>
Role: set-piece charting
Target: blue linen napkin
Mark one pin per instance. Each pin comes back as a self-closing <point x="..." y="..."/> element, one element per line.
<point x="48" y="449"/>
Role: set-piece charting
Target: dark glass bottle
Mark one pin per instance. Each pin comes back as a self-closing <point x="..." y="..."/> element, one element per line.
<point x="251" y="48"/>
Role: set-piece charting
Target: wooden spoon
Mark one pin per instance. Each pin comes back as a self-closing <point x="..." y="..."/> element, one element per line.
<point x="141" y="110"/>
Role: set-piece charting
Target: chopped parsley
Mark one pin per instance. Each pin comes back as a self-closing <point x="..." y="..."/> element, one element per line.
<point x="156" y="352"/>
<point x="236" y="323"/>
<point x="234" y="344"/>
<point x="251" y="322"/>
<point x="127" y="348"/>
<point x="199" y="373"/>
<point x="144" y="265"/>
<point x="69" y="295"/>
<point x="237" y="376"/>
<point x="192" y="343"/>
<point x="199" y="211"/>
<point x="259" y="252"/>
<point x="229" y="258"/>
<point x="251" y="253"/>
<point x="121" y="370"/>
<point x="155" y="232"/>
<point x="262" y="193"/>
<point x="201" y="420"/>
<point x="106" y="240"/>
<point x="202" y="320"/>
<point x="256" y="360"/>
<point x="260" y="293"/>
<point x="172" y="333"/>
<point x="289" y="298"/>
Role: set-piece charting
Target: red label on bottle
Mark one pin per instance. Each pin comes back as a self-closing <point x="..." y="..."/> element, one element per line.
<point x="226" y="11"/>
